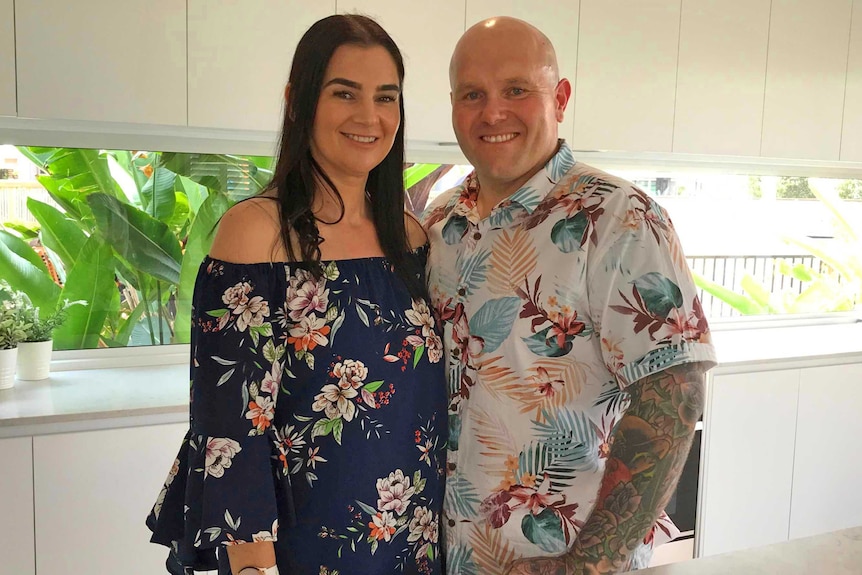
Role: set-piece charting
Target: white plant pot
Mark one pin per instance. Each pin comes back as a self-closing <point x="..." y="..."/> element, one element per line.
<point x="7" y="367"/>
<point x="34" y="360"/>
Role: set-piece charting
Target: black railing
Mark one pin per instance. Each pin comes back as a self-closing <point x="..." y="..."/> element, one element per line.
<point x="728" y="272"/>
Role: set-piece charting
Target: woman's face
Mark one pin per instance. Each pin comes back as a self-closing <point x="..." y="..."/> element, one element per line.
<point x="358" y="112"/>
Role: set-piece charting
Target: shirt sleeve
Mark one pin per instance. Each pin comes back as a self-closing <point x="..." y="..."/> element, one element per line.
<point x="226" y="486"/>
<point x="643" y="299"/>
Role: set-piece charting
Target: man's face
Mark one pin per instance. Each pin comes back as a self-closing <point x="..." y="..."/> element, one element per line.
<point x="506" y="105"/>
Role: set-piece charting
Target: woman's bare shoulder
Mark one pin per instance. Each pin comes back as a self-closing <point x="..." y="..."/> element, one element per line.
<point x="248" y="232"/>
<point x="415" y="232"/>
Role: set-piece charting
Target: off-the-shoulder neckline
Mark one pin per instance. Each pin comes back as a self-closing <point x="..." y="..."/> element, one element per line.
<point x="417" y="250"/>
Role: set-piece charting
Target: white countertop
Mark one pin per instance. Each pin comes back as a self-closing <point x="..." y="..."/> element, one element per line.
<point x="115" y="396"/>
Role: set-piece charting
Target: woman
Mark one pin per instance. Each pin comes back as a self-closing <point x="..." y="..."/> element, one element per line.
<point x="317" y="424"/>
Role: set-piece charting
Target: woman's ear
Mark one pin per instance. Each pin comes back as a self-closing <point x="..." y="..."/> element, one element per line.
<point x="287" y="106"/>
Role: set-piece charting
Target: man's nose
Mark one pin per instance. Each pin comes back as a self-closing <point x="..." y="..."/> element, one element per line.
<point x="494" y="110"/>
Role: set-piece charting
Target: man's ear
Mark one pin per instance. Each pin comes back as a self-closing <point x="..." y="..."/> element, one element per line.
<point x="562" y="93"/>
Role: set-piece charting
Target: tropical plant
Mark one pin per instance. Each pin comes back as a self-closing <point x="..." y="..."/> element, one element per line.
<point x="12" y="324"/>
<point x="836" y="288"/>
<point x="129" y="235"/>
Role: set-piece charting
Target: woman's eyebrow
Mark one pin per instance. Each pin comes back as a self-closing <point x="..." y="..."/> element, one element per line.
<point x="358" y="86"/>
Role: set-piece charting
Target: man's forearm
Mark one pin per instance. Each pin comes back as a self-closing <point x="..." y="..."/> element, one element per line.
<point x="649" y="450"/>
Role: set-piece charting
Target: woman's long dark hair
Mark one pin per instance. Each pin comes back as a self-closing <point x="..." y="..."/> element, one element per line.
<point x="297" y="174"/>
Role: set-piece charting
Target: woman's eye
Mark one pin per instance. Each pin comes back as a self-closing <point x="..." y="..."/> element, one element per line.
<point x="344" y="95"/>
<point x="388" y="99"/>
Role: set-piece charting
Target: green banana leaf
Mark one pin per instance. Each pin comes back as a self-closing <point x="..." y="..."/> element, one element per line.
<point x="71" y="201"/>
<point x="211" y="170"/>
<point x="739" y="302"/>
<point x="25" y="271"/>
<point x="59" y="233"/>
<point x="26" y="231"/>
<point x="143" y="241"/>
<point x="200" y="240"/>
<point x="416" y="173"/>
<point x="158" y="195"/>
<point x="91" y="280"/>
<point x="193" y="191"/>
<point x="87" y="170"/>
<point x="758" y="293"/>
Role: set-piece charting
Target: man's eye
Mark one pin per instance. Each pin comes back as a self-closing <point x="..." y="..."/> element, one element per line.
<point x="472" y="96"/>
<point x="517" y="91"/>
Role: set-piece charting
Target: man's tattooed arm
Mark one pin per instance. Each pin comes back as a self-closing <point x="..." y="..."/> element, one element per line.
<point x="649" y="450"/>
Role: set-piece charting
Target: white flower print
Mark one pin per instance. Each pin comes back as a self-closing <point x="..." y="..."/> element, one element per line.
<point x="394" y="492"/>
<point x="175" y="469"/>
<point x="423" y="525"/>
<point x="420" y="316"/>
<point x="350" y="373"/>
<point x="289" y="440"/>
<point x="272" y="380"/>
<point x="306" y="295"/>
<point x="261" y="411"/>
<point x="314" y="458"/>
<point x="335" y="402"/>
<point x="236" y="295"/>
<point x="382" y="526"/>
<point x="310" y="332"/>
<point x="219" y="455"/>
<point x="434" y="346"/>
<point x="266" y="535"/>
<point x="251" y="313"/>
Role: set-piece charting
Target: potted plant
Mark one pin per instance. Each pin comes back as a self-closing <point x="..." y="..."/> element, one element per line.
<point x="34" y="337"/>
<point x="12" y="331"/>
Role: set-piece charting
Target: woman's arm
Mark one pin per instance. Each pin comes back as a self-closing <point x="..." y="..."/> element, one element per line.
<point x="260" y="555"/>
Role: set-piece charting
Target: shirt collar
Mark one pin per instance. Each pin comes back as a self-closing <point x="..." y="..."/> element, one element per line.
<point x="533" y="191"/>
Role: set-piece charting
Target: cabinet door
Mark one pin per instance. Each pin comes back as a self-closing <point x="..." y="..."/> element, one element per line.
<point x="722" y="70"/>
<point x="16" y="507"/>
<point x="851" y="137"/>
<point x="806" y="73"/>
<point x="827" y="472"/>
<point x="750" y="424"/>
<point x="426" y="33"/>
<point x="627" y="60"/>
<point x="8" y="106"/>
<point x="102" y="60"/>
<point x="239" y="59"/>
<point x="93" y="492"/>
<point x="557" y="20"/>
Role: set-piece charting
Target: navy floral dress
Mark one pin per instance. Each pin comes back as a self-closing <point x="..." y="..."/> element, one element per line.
<point x="317" y="421"/>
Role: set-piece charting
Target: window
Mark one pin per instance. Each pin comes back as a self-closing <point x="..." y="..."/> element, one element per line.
<point x="126" y="231"/>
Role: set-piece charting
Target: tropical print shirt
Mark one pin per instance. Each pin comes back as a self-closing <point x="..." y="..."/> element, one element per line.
<point x="569" y="291"/>
<point x="317" y="421"/>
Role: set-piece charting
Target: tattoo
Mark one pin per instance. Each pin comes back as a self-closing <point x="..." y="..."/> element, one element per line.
<point x="649" y="450"/>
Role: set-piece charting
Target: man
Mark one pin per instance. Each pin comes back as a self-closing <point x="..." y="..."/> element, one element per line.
<point x="576" y="345"/>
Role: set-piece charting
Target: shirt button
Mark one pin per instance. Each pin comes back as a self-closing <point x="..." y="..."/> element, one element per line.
<point x="477" y="236"/>
<point x="452" y="466"/>
<point x="462" y="292"/>
<point x="451" y="523"/>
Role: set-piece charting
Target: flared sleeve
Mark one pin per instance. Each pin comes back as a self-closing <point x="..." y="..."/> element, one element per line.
<point x="226" y="485"/>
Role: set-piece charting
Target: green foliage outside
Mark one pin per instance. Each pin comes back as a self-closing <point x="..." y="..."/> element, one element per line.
<point x="839" y="288"/>
<point x="791" y="188"/>
<point x="128" y="238"/>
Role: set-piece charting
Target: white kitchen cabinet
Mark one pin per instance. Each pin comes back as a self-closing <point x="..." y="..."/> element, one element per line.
<point x="827" y="469"/>
<point x="17" y="550"/>
<point x="806" y="74"/>
<point x="239" y="59"/>
<point x="93" y="491"/>
<point x="722" y="71"/>
<point x="426" y="33"/>
<point x="102" y="60"/>
<point x="8" y="101"/>
<point x="627" y="61"/>
<point x="851" y="135"/>
<point x="749" y="430"/>
<point x="557" y="20"/>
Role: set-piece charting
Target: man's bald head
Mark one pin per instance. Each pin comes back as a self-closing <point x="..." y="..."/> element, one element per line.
<point x="500" y="31"/>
